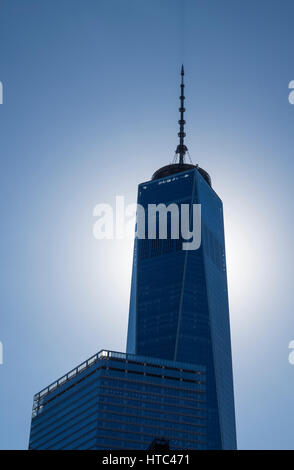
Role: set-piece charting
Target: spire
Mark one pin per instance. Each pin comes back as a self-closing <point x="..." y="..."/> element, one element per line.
<point x="181" y="148"/>
<point x="181" y="165"/>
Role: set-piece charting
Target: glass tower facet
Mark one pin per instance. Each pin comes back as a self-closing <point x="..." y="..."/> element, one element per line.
<point x="179" y="300"/>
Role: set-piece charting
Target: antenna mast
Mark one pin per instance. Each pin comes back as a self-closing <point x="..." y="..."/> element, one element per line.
<point x="181" y="148"/>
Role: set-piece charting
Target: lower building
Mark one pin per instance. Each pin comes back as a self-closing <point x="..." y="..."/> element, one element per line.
<point x="122" y="401"/>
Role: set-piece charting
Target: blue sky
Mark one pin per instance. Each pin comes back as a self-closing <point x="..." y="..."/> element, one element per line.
<point x="90" y="110"/>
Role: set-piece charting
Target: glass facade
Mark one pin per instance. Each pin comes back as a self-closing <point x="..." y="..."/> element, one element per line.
<point x="121" y="401"/>
<point x="179" y="300"/>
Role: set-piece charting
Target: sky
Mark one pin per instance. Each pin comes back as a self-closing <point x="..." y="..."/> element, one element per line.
<point x="90" y="110"/>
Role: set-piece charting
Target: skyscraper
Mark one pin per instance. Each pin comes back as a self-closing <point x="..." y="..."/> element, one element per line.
<point x="179" y="298"/>
<point x="174" y="385"/>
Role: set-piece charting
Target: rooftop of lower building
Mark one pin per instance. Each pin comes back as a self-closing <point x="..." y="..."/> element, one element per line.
<point x="104" y="355"/>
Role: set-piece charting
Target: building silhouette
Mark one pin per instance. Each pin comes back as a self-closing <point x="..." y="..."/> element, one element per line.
<point x="122" y="401"/>
<point x="179" y="298"/>
<point x="174" y="384"/>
